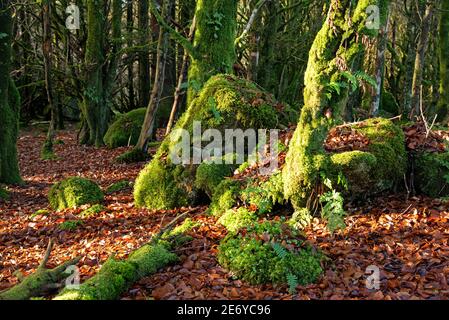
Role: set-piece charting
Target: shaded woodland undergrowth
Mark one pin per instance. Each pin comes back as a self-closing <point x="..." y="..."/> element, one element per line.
<point x="406" y="238"/>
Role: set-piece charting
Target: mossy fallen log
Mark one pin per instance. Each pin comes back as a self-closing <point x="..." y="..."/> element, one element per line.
<point x="116" y="276"/>
<point x="40" y="282"/>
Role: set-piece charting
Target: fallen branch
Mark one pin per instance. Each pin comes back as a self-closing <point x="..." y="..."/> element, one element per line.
<point x="40" y="282"/>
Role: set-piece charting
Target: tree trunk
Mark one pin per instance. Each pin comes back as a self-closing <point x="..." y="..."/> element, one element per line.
<point x="47" y="49"/>
<point x="335" y="47"/>
<point x="443" y="103"/>
<point x="213" y="42"/>
<point x="130" y="67"/>
<point x="421" y="51"/>
<point x="9" y="102"/>
<point x="94" y="108"/>
<point x="144" y="58"/>
<point x="148" y="127"/>
<point x="380" y="62"/>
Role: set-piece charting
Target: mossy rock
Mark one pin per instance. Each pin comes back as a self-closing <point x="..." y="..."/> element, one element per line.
<point x="225" y="102"/>
<point x="74" y="192"/>
<point x="226" y="196"/>
<point x="381" y="166"/>
<point x="257" y="255"/>
<point x="432" y="173"/>
<point x="210" y="175"/>
<point x="126" y="129"/>
<point x="235" y="219"/>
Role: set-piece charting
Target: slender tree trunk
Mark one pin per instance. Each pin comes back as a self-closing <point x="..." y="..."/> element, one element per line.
<point x="130" y="67"/>
<point x="9" y="102"/>
<point x="182" y="76"/>
<point x="380" y="62"/>
<point x="443" y="103"/>
<point x="47" y="49"/>
<point x="144" y="58"/>
<point x="148" y="128"/>
<point x="421" y="51"/>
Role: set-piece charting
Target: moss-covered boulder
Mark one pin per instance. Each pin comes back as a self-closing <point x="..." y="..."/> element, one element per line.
<point x="432" y="173"/>
<point x="380" y="166"/>
<point x="74" y="192"/>
<point x="126" y="129"/>
<point x="225" y="102"/>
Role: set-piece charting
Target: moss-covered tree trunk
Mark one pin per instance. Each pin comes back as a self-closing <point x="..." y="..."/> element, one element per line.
<point x="443" y="103"/>
<point x="213" y="42"/>
<point x="9" y="102"/>
<point x="333" y="52"/>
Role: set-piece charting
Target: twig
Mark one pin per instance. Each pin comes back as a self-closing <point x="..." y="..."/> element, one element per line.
<point x="47" y="254"/>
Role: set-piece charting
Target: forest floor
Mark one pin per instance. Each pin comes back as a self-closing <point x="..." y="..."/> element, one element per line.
<point x="406" y="239"/>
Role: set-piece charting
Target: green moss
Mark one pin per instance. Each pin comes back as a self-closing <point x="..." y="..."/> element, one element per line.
<point x="432" y="173"/>
<point x="70" y="225"/>
<point x="156" y="188"/>
<point x="112" y="279"/>
<point x="93" y="211"/>
<point x="149" y="259"/>
<point x="126" y="129"/>
<point x="118" y="186"/>
<point x="225" y="197"/>
<point x="209" y="176"/>
<point x="264" y="195"/>
<point x="40" y="212"/>
<point x="389" y="103"/>
<point x="257" y="261"/>
<point x="225" y="102"/>
<point x="73" y="192"/>
<point x="235" y="219"/>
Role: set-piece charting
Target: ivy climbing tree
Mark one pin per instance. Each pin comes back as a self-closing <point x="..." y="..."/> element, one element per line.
<point x="326" y="92"/>
<point x="443" y="104"/>
<point x="9" y="102"/>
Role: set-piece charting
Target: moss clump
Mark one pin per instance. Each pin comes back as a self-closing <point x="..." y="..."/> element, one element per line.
<point x="225" y="197"/>
<point x="4" y="195"/>
<point x="40" y="212"/>
<point x="126" y="129"/>
<point x="93" y="211"/>
<point x="70" y="225"/>
<point x="235" y="219"/>
<point x="382" y="165"/>
<point x="225" y="102"/>
<point x="149" y="259"/>
<point x="210" y="175"/>
<point x="432" y="173"/>
<point x="259" y="257"/>
<point x="118" y="186"/>
<point x="74" y="192"/>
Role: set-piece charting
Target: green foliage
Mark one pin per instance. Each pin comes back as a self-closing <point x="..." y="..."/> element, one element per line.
<point x="301" y="218"/>
<point x="225" y="197"/>
<point x="258" y="257"/>
<point x="74" y="192"/>
<point x="118" y="186"/>
<point x="70" y="225"/>
<point x="235" y="219"/>
<point x="4" y="195"/>
<point x="93" y="211"/>
<point x="432" y="173"/>
<point x="126" y="129"/>
<point x="264" y="194"/>
<point x="148" y="259"/>
<point x="333" y="211"/>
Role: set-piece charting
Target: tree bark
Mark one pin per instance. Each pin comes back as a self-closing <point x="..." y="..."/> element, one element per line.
<point x="144" y="56"/>
<point x="443" y="103"/>
<point x="421" y="51"/>
<point x="9" y="102"/>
